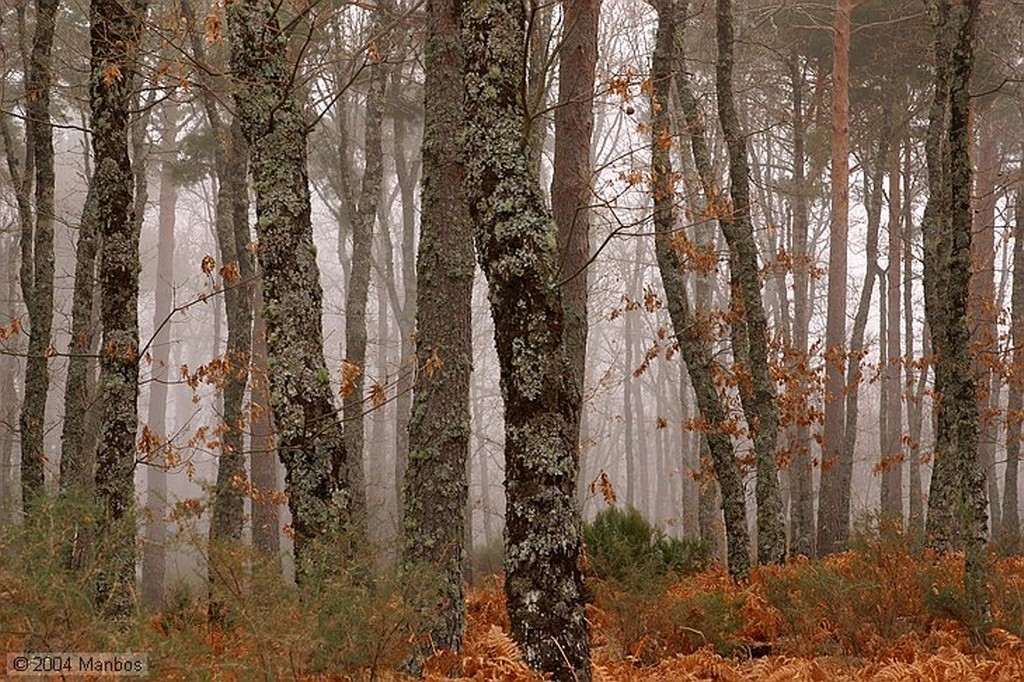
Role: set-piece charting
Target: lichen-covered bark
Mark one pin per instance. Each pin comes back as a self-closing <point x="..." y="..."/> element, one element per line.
<point x="833" y="521"/>
<point x="517" y="244"/>
<point x="115" y="35"/>
<point x="957" y="502"/>
<point x="435" y="486"/>
<point x="758" y="392"/>
<point x="693" y="343"/>
<point x="308" y="429"/>
<point x="37" y="249"/>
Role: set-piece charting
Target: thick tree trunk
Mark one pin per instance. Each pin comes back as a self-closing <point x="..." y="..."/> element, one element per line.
<point x="757" y="392"/>
<point x="694" y="346"/>
<point x="435" y="485"/>
<point x="517" y="244"/>
<point x="957" y="503"/>
<point x="308" y="429"/>
<point x="115" y="36"/>
<point x="154" y="564"/>
<point x="37" y="261"/>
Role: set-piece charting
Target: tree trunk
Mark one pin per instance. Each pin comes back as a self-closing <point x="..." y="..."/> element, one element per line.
<point x="757" y="392"/>
<point x="358" y="288"/>
<point x="37" y="261"/>
<point x="957" y="505"/>
<point x="800" y="468"/>
<point x="154" y="565"/>
<point x="308" y="429"/>
<point x="266" y="523"/>
<point x="892" y="444"/>
<point x="833" y="519"/>
<point x="517" y="244"/>
<point x="1011" y="504"/>
<point x="435" y="483"/>
<point x="76" y="461"/>
<point x="694" y="346"/>
<point x="115" y="35"/>
<point x="570" y="183"/>
<point x="981" y="303"/>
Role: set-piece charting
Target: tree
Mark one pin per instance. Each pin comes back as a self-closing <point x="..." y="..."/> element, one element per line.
<point x="154" y="561"/>
<point x="115" y="36"/>
<point x="439" y="431"/>
<point x="517" y="246"/>
<point x="694" y="345"/>
<point x="1011" y="511"/>
<point x="37" y="263"/>
<point x="571" y="178"/>
<point x="309" y="433"/>
<point x="957" y="505"/>
<point x="749" y="323"/>
<point x="833" y="517"/>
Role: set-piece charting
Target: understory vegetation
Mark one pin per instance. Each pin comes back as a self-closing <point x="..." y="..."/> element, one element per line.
<point x="885" y="610"/>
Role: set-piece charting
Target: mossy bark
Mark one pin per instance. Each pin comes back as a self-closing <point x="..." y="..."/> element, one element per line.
<point x="308" y="429"/>
<point x="115" y="35"/>
<point x="693" y="344"/>
<point x="957" y="502"/>
<point x="517" y="245"/>
<point x="435" y="484"/>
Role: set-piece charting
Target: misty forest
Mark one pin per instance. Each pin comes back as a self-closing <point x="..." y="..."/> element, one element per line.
<point x="514" y="339"/>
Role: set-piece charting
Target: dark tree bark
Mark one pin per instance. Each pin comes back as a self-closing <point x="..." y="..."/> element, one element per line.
<point x="37" y="263"/>
<point x="517" y="244"/>
<point x="757" y="392"/>
<point x="833" y="520"/>
<point x="915" y="402"/>
<point x="957" y="505"/>
<point x="115" y="35"/>
<point x="693" y="343"/>
<point x="309" y="433"/>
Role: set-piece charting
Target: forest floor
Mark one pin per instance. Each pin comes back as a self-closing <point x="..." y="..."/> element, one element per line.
<point x="881" y="612"/>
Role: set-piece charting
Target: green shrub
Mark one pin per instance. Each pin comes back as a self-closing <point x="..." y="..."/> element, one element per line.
<point x="624" y="545"/>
